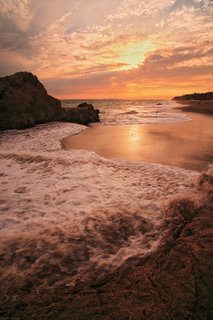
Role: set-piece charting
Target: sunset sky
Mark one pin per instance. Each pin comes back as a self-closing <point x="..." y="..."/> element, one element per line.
<point x="110" y="48"/>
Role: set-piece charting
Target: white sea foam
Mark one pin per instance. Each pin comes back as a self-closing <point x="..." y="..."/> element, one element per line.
<point x="65" y="214"/>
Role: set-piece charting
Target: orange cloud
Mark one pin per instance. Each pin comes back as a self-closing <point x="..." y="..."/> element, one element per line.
<point x="112" y="48"/>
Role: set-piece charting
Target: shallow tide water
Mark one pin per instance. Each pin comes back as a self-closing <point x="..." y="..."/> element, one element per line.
<point x="70" y="218"/>
<point x="186" y="144"/>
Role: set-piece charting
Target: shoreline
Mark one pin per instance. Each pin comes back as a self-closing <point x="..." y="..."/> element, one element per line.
<point x="151" y="143"/>
<point x="40" y="182"/>
<point x="77" y="188"/>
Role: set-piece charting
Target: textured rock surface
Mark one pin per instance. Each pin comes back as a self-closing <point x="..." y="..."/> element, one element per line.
<point x="24" y="102"/>
<point x="174" y="283"/>
<point x="83" y="114"/>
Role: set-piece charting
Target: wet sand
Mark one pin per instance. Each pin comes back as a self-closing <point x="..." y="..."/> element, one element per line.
<point x="186" y="144"/>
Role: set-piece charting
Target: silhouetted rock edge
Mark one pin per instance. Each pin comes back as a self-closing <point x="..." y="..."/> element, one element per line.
<point x="24" y="102"/>
<point x="195" y="96"/>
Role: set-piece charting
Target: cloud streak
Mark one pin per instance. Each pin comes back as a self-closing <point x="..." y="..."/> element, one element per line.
<point x="18" y="12"/>
<point x="125" y="46"/>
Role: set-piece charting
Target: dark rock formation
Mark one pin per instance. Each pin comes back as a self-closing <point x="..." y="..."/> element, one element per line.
<point x="196" y="96"/>
<point x="24" y="102"/>
<point x="83" y="114"/>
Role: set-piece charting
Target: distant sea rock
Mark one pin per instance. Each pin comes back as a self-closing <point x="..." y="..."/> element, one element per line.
<point x="24" y="102"/>
<point x="196" y="96"/>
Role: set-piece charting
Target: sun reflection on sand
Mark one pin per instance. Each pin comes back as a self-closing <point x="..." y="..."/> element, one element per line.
<point x="173" y="144"/>
<point x="134" y="139"/>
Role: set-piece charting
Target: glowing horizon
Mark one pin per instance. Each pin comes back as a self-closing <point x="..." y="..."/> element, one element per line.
<point x="116" y="49"/>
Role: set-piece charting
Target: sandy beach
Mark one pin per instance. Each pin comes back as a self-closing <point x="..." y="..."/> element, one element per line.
<point x="72" y="220"/>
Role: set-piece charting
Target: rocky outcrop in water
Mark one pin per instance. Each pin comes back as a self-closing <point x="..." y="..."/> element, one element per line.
<point x="83" y="114"/>
<point x="196" y="96"/>
<point x="24" y="102"/>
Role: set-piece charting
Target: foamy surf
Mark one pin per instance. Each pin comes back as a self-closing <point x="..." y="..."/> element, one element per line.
<point x="72" y="217"/>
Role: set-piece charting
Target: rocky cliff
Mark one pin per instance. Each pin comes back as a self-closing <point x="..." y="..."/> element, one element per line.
<point x="196" y="96"/>
<point x="24" y="102"/>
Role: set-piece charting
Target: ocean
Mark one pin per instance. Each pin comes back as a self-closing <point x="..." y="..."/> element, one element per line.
<point x="129" y="112"/>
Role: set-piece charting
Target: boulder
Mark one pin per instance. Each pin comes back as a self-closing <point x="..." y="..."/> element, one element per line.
<point x="24" y="102"/>
<point x="83" y="114"/>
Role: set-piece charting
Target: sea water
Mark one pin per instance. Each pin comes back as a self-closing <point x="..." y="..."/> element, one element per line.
<point x="129" y="112"/>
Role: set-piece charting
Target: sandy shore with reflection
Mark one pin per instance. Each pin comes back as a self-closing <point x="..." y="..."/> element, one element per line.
<point x="185" y="144"/>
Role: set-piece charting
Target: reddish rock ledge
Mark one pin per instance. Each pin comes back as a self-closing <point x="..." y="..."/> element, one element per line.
<point x="174" y="283"/>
